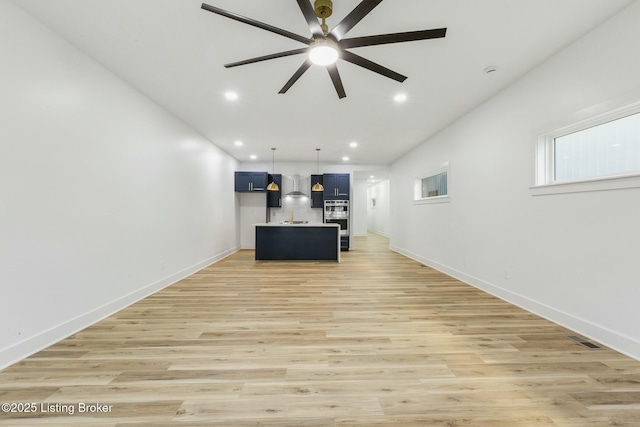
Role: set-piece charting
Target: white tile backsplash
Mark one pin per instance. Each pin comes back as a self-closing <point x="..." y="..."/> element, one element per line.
<point x="302" y="210"/>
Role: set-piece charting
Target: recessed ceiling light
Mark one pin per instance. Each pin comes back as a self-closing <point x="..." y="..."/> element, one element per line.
<point x="345" y="159"/>
<point x="231" y="96"/>
<point x="353" y="144"/>
<point x="253" y="157"/>
<point x="372" y="177"/>
<point x="401" y="97"/>
<point x="238" y="143"/>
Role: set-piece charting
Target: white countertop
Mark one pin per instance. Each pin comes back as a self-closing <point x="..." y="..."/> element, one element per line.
<point x="309" y="224"/>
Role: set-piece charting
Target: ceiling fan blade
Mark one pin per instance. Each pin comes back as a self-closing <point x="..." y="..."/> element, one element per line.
<point x="355" y="16"/>
<point x="255" y="23"/>
<point x="310" y="16"/>
<point x="370" y="65"/>
<point x="337" y="81"/>
<point x="408" y="36"/>
<point x="267" y="57"/>
<point x="304" y="67"/>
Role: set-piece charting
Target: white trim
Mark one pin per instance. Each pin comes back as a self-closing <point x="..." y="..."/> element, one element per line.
<point x="36" y="343"/>
<point x="615" y="182"/>
<point x="380" y="233"/>
<point x="618" y="342"/>
<point x="434" y="199"/>
<point x="607" y="116"/>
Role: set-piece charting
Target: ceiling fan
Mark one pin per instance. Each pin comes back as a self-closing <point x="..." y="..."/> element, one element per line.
<point x="324" y="47"/>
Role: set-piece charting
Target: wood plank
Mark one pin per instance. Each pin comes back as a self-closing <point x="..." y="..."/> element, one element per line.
<point x="377" y="340"/>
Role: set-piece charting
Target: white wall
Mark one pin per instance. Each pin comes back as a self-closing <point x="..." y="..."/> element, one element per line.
<point x="105" y="197"/>
<point x="570" y="257"/>
<point x="378" y="216"/>
<point x="359" y="208"/>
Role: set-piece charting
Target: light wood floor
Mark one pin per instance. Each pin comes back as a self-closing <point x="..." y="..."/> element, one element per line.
<point x="378" y="340"/>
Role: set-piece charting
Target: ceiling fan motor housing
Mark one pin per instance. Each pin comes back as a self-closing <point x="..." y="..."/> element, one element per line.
<point x="323" y="8"/>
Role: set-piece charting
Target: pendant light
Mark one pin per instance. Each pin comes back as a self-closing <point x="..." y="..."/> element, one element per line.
<point x="273" y="186"/>
<point x="317" y="187"/>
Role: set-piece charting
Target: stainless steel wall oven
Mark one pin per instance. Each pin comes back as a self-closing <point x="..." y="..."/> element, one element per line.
<point x="337" y="212"/>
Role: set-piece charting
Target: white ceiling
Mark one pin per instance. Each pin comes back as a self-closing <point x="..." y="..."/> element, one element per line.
<point x="173" y="52"/>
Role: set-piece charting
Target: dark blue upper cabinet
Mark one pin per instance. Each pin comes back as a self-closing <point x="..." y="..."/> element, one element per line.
<point x="336" y="186"/>
<point x="251" y="182"/>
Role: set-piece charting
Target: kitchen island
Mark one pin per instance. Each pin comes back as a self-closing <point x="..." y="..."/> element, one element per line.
<point x="298" y="242"/>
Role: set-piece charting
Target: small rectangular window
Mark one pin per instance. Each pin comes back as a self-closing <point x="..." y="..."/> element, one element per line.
<point x="600" y="153"/>
<point x="610" y="148"/>
<point x="432" y="187"/>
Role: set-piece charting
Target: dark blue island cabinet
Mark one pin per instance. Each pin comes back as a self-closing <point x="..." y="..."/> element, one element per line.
<point x="247" y="182"/>
<point x="336" y="186"/>
<point x="297" y="242"/>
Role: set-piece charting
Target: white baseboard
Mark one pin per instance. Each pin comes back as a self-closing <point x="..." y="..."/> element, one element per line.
<point x="380" y="233"/>
<point x="36" y="343"/>
<point x="605" y="336"/>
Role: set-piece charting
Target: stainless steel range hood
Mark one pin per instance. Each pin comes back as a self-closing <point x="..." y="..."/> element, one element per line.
<point x="296" y="188"/>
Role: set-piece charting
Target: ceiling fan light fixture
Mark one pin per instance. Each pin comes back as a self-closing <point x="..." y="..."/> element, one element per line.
<point x="325" y="47"/>
<point x="323" y="52"/>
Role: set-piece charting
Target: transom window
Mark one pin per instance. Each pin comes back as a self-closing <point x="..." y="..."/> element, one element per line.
<point x="600" y="153"/>
<point x="611" y="148"/>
